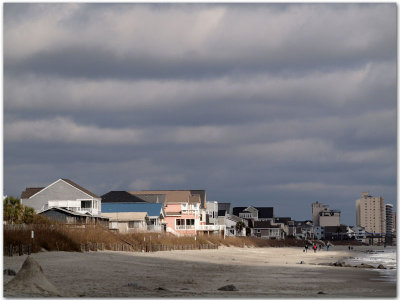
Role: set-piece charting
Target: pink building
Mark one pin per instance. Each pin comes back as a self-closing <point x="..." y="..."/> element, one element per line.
<point x="185" y="212"/>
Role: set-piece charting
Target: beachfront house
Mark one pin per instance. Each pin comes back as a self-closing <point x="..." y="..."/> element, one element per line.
<point x="126" y="222"/>
<point x="65" y="194"/>
<point x="155" y="213"/>
<point x="254" y="213"/>
<point x="336" y="232"/>
<point x="66" y="216"/>
<point x="360" y="234"/>
<point x="318" y="232"/>
<point x="283" y="222"/>
<point x="303" y="229"/>
<point x="266" y="230"/>
<point x="212" y="212"/>
<point x="185" y="211"/>
<point x="235" y="226"/>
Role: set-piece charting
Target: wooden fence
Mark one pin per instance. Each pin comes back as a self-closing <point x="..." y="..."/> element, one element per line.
<point x="142" y="248"/>
<point x="11" y="250"/>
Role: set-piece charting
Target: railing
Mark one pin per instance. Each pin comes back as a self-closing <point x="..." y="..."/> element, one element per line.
<point x="190" y="211"/>
<point x="85" y="209"/>
<point x="210" y="227"/>
<point x="142" y="247"/>
<point x="185" y="227"/>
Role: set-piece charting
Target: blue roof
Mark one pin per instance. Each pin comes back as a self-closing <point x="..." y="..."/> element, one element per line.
<point x="152" y="209"/>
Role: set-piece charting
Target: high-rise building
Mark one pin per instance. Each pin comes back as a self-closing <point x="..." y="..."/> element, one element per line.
<point x="371" y="213"/>
<point x="324" y="216"/>
<point x="389" y="223"/>
<point x="316" y="209"/>
<point x="394" y="222"/>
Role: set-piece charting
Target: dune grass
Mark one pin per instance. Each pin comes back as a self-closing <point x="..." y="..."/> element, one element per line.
<point x="61" y="237"/>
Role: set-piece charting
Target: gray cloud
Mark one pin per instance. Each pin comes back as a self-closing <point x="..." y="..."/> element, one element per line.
<point x="264" y="104"/>
<point x="180" y="41"/>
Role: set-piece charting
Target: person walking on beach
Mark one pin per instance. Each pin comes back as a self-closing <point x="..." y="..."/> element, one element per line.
<point x="306" y="247"/>
<point x="327" y="247"/>
<point x="315" y="248"/>
<point x="319" y="247"/>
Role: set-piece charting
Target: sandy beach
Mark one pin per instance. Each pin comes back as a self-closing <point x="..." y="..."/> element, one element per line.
<point x="255" y="272"/>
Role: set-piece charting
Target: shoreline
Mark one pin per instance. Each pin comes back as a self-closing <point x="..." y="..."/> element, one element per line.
<point x="255" y="272"/>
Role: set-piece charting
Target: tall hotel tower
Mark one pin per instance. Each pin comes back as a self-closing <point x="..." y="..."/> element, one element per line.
<point x="371" y="213"/>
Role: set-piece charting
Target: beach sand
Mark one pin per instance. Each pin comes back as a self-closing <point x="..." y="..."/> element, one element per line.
<point x="255" y="272"/>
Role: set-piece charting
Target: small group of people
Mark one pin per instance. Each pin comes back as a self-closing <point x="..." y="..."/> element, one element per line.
<point x="351" y="248"/>
<point x="315" y="247"/>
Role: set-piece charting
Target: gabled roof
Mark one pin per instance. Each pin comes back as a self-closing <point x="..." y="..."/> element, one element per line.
<point x="80" y="187"/>
<point x="170" y="195"/>
<point x="194" y="199"/>
<point x="30" y="191"/>
<point x="152" y="198"/>
<point x="175" y="196"/>
<point x="120" y="196"/>
<point x="239" y="209"/>
<point x="152" y="209"/>
<point x="234" y="218"/>
<point x="263" y="212"/>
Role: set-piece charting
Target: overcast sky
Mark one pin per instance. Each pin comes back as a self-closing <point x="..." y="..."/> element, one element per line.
<point x="259" y="104"/>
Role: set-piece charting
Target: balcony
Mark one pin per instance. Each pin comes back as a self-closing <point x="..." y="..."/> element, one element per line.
<point x="184" y="227"/>
<point x="190" y="211"/>
<point x="210" y="227"/>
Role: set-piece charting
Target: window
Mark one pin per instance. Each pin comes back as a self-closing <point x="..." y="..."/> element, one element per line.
<point x="133" y="224"/>
<point x="189" y="221"/>
<point x="114" y="225"/>
<point x="86" y="204"/>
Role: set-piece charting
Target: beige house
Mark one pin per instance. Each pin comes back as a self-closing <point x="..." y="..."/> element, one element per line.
<point x="126" y="222"/>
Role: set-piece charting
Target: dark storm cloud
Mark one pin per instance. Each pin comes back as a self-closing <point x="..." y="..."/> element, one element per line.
<point x="264" y="104"/>
<point x="238" y="40"/>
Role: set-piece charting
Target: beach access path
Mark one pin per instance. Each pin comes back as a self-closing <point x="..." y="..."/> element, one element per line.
<point x="255" y="272"/>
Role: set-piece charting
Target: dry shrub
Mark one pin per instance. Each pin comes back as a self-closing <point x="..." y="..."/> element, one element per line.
<point x="48" y="237"/>
<point x="62" y="237"/>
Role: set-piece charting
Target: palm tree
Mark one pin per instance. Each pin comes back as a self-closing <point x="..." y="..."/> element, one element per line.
<point x="15" y="212"/>
<point x="239" y="226"/>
